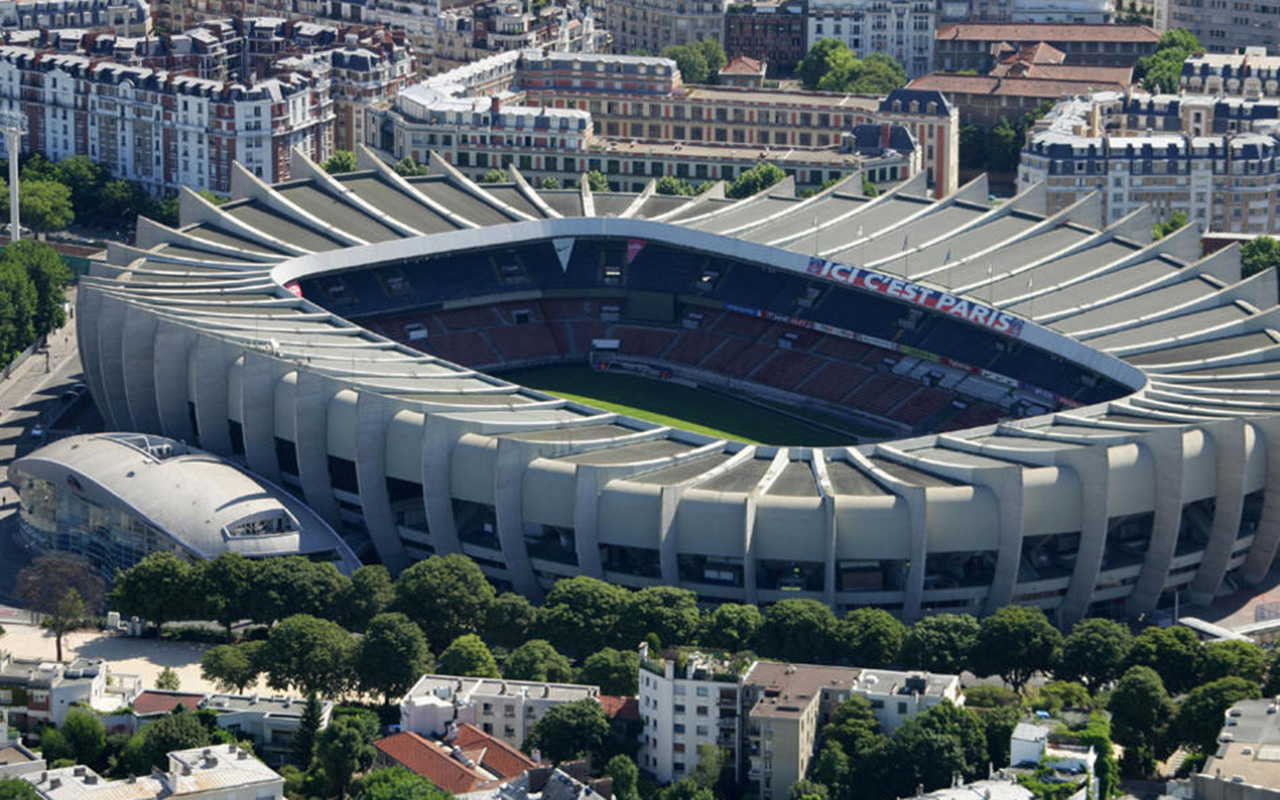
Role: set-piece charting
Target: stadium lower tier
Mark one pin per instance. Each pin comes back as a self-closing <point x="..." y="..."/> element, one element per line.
<point x="1119" y="441"/>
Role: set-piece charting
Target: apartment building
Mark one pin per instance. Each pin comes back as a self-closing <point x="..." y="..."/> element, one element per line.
<point x="1222" y="25"/>
<point x="123" y="17"/>
<point x="505" y="709"/>
<point x="901" y="29"/>
<point x="1091" y="12"/>
<point x="685" y="703"/>
<point x="37" y="693"/>
<point x="469" y="33"/>
<point x="224" y="772"/>
<point x="1213" y="158"/>
<point x="979" y="46"/>
<point x="775" y="32"/>
<point x="651" y="25"/>
<point x="1250" y="74"/>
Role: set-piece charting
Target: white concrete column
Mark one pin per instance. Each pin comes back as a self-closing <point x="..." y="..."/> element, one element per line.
<point x="1167" y="452"/>
<point x="917" y="499"/>
<point x="173" y="351"/>
<point x="1266" y="538"/>
<point x="139" y="344"/>
<point x="508" y="510"/>
<point x="312" y="396"/>
<point x="438" y="438"/>
<point x="586" y="519"/>
<point x="668" y="535"/>
<point x="258" y="381"/>
<point x="1228" y="436"/>
<point x="109" y="354"/>
<point x="212" y="362"/>
<point x="751" y="593"/>
<point x="1007" y="486"/>
<point x="1093" y="471"/>
<point x="372" y="414"/>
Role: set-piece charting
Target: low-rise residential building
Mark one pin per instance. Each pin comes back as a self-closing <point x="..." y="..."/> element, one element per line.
<point x="124" y="17"/>
<point x="269" y="722"/>
<point x="501" y="708"/>
<point x="773" y="31"/>
<point x="743" y="72"/>
<point x="1212" y="158"/>
<point x="16" y="759"/>
<point x="897" y="696"/>
<point x="979" y="46"/>
<point x="686" y="703"/>
<point x="463" y="761"/>
<point x="224" y="772"/>
<point x="35" y="693"/>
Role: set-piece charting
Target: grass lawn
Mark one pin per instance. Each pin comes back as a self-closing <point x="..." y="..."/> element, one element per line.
<point x="699" y="410"/>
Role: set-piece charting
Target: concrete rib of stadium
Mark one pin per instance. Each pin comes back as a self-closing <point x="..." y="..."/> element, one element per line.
<point x="1153" y="467"/>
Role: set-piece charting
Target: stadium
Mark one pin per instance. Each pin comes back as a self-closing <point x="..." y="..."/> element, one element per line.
<point x="998" y="406"/>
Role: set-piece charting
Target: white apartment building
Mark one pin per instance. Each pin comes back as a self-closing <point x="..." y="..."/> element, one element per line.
<point x="901" y="29"/>
<point x="1223" y="26"/>
<point x="651" y="25"/>
<point x="224" y="772"/>
<point x="501" y="708"/>
<point x="683" y="706"/>
<point x="124" y="17"/>
<point x="897" y="696"/>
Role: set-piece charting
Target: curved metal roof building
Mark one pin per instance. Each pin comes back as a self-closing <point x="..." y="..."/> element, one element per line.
<point x="1084" y="417"/>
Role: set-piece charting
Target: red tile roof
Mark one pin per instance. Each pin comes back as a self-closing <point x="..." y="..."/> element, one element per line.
<point x="153" y="702"/>
<point x="624" y="708"/>
<point x="1046" y="32"/>
<point x="743" y="65"/>
<point x="433" y="762"/>
<point x="492" y="753"/>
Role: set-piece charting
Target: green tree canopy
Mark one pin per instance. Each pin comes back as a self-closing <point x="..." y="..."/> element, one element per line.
<point x="732" y="627"/>
<point x="396" y="783"/>
<point x="1095" y="652"/>
<point x="17" y="789"/>
<point x="830" y="66"/>
<point x="582" y="615"/>
<point x="941" y="643"/>
<point x="670" y="612"/>
<point x="49" y="275"/>
<point x="495" y="175"/>
<point x="961" y="724"/>
<point x="447" y="595"/>
<point x="308" y="654"/>
<point x="537" y="660"/>
<point x="157" y="589"/>
<point x="233" y="667"/>
<point x="45" y="205"/>
<point x="86" y="736"/>
<point x="64" y="589"/>
<point x="342" y="750"/>
<point x="1162" y="70"/>
<point x="1015" y="643"/>
<point x="409" y="168"/>
<point x="19" y="301"/>
<point x="304" y="739"/>
<point x="871" y="637"/>
<point x="369" y="593"/>
<point x="755" y="180"/>
<point x="1175" y="653"/>
<point x="1140" y="707"/>
<point x="568" y="731"/>
<point x="699" y="61"/>
<point x="671" y="185"/>
<point x="391" y="656"/>
<point x="597" y="181"/>
<point x="178" y="731"/>
<point x="1200" y="714"/>
<point x="1175" y="221"/>
<point x="549" y="183"/>
<point x="1233" y="657"/>
<point x="340" y="161"/>
<point x="626" y="777"/>
<point x="510" y="620"/>
<point x="798" y="629"/>
<point x="287" y="585"/>
<point x="225" y="586"/>
<point x="1258" y="255"/>
<point x="468" y="655"/>
<point x="614" y="671"/>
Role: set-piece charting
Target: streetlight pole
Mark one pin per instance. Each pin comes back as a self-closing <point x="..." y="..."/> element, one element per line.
<point x="13" y="124"/>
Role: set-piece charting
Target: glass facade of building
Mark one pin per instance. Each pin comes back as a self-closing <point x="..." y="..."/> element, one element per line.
<point x="54" y="519"/>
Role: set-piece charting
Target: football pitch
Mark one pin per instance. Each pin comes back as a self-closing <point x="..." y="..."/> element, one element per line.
<point x="703" y="411"/>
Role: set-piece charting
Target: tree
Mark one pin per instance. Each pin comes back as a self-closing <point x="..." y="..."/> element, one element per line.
<point x="755" y="180"/>
<point x="308" y="654"/>
<point x="698" y="62"/>
<point x="468" y="655"/>
<point x="1004" y="147"/>
<point x="1161" y="71"/>
<point x="537" y="660"/>
<point x="614" y="671"/>
<point x="86" y="737"/>
<point x="871" y="637"/>
<point x="1233" y="657"/>
<point x="686" y="789"/>
<point x="876" y="74"/>
<point x="1272" y="687"/>
<point x="925" y="757"/>
<point x="287" y="585"/>
<point x="342" y="750"/>
<point x="710" y="765"/>
<point x="340" y="161"/>
<point x="1140" y="708"/>
<point x="962" y="725"/>
<point x="569" y="731"/>
<point x="816" y="62"/>
<point x="304" y="740"/>
<point x="17" y="789"/>
<point x="181" y="730"/>
<point x="1015" y="643"/>
<point x="732" y="627"/>
<point x="667" y="611"/>
<point x="1175" y="653"/>
<point x="1176" y="220"/>
<point x="447" y="595"/>
<point x="973" y="147"/>
<point x="369" y="593"/>
<point x="168" y="680"/>
<point x="671" y="185"/>
<point x="49" y="275"/>
<point x="805" y="789"/>
<point x="156" y="589"/>
<point x="1200" y="714"/>
<point x="225" y="584"/>
<point x="396" y="783"/>
<point x="798" y="630"/>
<point x="869" y="189"/>
<point x="63" y="589"/>
<point x="45" y="206"/>
<point x="1095" y="652"/>
<point x="233" y="667"/>
<point x="941" y="643"/>
<point x="998" y="724"/>
<point x="391" y="656"/>
<point x="495" y="175"/>
<point x="409" y="168"/>
<point x="510" y="620"/>
<point x="18" y="303"/>
<point x="626" y="777"/>
<point x="597" y="181"/>
<point x="549" y="183"/>
<point x="1260" y="254"/>
<point x="581" y="614"/>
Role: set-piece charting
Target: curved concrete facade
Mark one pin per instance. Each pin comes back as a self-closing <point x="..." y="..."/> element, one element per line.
<point x="196" y="334"/>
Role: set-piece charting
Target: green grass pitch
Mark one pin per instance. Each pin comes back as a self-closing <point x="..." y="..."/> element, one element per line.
<point x="703" y="411"/>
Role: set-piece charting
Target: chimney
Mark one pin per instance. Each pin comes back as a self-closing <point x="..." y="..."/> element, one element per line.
<point x="884" y="135"/>
<point x="495" y="105"/>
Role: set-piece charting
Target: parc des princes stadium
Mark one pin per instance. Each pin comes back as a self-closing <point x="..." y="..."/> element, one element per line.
<point x="1075" y="416"/>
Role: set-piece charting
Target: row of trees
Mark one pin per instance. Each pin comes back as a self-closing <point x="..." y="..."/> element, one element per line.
<point x="830" y="66"/>
<point x="78" y="189"/>
<point x="32" y="277"/>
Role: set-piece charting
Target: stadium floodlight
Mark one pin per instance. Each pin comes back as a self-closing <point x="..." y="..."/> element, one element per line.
<point x="14" y="125"/>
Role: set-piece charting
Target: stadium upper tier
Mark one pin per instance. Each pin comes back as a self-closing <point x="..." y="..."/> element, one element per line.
<point x="1137" y="456"/>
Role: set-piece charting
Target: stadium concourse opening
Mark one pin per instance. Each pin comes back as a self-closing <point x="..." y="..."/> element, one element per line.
<point x="805" y="359"/>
